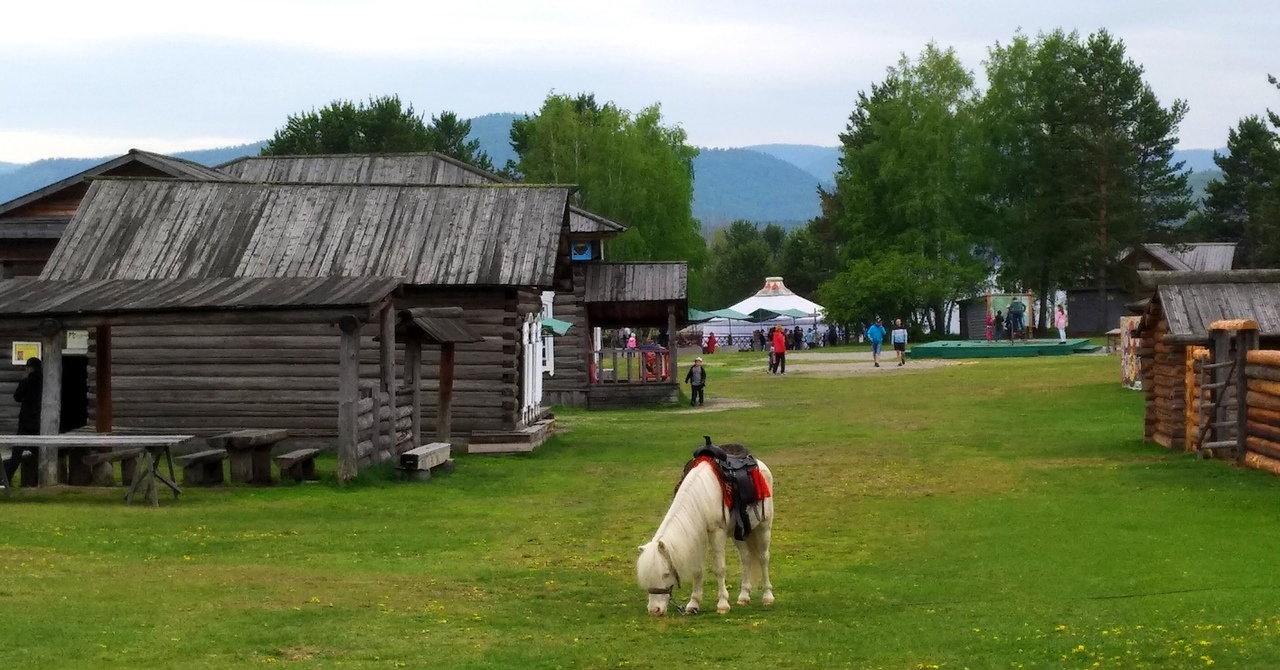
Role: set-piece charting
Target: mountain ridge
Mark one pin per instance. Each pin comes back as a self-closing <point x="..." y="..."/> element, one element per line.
<point x="762" y="183"/>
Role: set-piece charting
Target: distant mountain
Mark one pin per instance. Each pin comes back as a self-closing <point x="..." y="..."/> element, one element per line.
<point x="494" y="133"/>
<point x="731" y="184"/>
<point x="34" y="176"/>
<point x="6" y="168"/>
<point x="1198" y="160"/>
<point x="1199" y="180"/>
<point x="821" y="162"/>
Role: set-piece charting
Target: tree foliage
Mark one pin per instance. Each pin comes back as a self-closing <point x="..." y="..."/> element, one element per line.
<point x="628" y="167"/>
<point x="1244" y="205"/>
<point x="382" y="125"/>
<point x="906" y="183"/>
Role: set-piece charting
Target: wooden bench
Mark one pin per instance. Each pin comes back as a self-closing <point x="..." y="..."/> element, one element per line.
<point x="300" y="465"/>
<point x="128" y="458"/>
<point x="418" y="462"/>
<point x="250" y="453"/>
<point x="203" y="468"/>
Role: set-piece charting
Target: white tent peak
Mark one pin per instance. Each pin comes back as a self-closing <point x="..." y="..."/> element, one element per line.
<point x="775" y="296"/>
<point x="773" y="286"/>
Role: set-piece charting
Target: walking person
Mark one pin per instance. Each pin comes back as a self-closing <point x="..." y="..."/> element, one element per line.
<point x="875" y="335"/>
<point x="899" y="342"/>
<point x="1060" y="322"/>
<point x="29" y="393"/>
<point x="780" y="350"/>
<point x="696" y="378"/>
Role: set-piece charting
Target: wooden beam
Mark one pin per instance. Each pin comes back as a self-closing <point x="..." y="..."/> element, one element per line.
<point x="51" y="399"/>
<point x="387" y="370"/>
<point x="444" y="415"/>
<point x="671" y="341"/>
<point x="102" y="368"/>
<point x="348" y="395"/>
<point x="413" y="377"/>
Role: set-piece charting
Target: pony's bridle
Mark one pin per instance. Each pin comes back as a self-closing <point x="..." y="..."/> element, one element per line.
<point x="670" y="564"/>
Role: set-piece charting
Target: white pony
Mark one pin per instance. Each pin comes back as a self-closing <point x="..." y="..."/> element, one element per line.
<point x="698" y="519"/>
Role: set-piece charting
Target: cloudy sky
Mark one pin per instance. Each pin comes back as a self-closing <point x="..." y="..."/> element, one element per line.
<point x="95" y="78"/>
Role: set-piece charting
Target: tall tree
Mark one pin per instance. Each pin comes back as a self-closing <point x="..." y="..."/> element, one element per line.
<point x="629" y="167"/>
<point x="908" y="170"/>
<point x="739" y="259"/>
<point x="1138" y="193"/>
<point x="1241" y="206"/>
<point x="382" y="125"/>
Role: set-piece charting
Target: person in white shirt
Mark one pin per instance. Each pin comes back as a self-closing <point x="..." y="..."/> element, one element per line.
<point x="899" y="337"/>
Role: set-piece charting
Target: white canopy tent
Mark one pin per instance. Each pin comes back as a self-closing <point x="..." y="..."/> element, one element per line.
<point x="774" y="297"/>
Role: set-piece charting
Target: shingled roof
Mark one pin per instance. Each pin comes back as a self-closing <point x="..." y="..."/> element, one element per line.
<point x="492" y="235"/>
<point x="175" y="167"/>
<point x="403" y="168"/>
<point x="636" y="282"/>
<point x="1190" y="301"/>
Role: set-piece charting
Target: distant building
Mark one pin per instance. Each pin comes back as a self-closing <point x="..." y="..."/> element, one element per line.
<point x="1083" y="303"/>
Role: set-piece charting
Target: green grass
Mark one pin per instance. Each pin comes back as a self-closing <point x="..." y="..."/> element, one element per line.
<point x="1000" y="514"/>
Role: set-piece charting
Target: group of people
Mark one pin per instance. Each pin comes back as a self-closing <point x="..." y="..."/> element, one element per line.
<point x="875" y="335"/>
<point x="1014" y="326"/>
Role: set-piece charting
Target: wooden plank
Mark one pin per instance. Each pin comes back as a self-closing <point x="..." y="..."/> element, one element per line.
<point x="387" y="365"/>
<point x="92" y="440"/>
<point x="444" y="411"/>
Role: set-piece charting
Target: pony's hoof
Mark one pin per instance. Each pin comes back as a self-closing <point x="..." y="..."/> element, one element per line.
<point x="722" y="609"/>
<point x="691" y="610"/>
<point x="767" y="601"/>
<point x="744" y="600"/>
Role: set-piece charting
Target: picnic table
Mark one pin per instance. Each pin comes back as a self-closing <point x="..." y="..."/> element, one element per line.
<point x="154" y="447"/>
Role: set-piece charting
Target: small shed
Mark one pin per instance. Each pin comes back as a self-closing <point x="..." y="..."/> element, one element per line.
<point x="1178" y="316"/>
<point x="635" y="295"/>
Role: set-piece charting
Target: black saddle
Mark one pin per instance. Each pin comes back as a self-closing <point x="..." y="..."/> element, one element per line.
<point x="736" y="466"/>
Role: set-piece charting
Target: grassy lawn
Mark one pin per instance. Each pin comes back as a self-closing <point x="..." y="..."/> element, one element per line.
<point x="1001" y="514"/>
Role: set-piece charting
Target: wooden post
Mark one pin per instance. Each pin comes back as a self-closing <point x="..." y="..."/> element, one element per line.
<point x="1246" y="341"/>
<point x="413" y="377"/>
<point x="1221" y="354"/>
<point x="671" y="342"/>
<point x="103" y="415"/>
<point x="387" y="368"/>
<point x="348" y="396"/>
<point x="444" y="413"/>
<point x="51" y="400"/>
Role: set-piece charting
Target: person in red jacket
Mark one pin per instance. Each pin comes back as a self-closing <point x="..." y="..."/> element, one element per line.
<point x="780" y="349"/>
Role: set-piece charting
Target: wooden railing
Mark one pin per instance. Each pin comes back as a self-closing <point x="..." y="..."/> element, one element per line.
<point x="631" y="366"/>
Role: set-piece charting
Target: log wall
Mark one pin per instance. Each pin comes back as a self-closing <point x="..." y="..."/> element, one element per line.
<point x="229" y="377"/>
<point x="1262" y="407"/>
<point x="1164" y="383"/>
<point x="568" y="386"/>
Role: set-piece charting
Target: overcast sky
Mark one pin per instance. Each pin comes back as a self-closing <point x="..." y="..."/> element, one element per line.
<point x="96" y="78"/>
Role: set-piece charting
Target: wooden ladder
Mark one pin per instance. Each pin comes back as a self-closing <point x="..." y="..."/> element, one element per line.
<point x="1208" y="413"/>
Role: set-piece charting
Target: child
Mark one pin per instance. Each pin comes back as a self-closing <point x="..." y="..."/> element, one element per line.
<point x="1060" y="322"/>
<point x="899" y="337"/>
<point x="696" y="378"/>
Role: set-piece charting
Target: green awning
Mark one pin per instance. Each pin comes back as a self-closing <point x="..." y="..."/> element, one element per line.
<point x="793" y="313"/>
<point x="555" y="326"/>
<point x="727" y="313"/>
<point x="699" y="316"/>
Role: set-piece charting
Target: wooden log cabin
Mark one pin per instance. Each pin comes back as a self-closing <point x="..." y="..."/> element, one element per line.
<point x="46" y="309"/>
<point x="491" y="249"/>
<point x="30" y="227"/>
<point x="1177" y="319"/>
<point x="567" y="374"/>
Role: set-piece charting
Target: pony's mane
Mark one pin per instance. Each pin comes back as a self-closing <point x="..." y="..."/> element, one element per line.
<point x="684" y="529"/>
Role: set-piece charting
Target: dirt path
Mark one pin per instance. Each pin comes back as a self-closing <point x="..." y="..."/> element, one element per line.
<point x="719" y="405"/>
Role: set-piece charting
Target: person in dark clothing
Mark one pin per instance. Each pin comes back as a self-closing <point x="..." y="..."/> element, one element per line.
<point x="29" y="393"/>
<point x="696" y="378"/>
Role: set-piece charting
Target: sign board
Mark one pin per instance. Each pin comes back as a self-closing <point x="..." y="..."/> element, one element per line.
<point x="22" y="351"/>
<point x="77" y="343"/>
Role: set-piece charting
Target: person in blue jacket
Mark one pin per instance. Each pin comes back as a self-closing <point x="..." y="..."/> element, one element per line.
<point x="875" y="335"/>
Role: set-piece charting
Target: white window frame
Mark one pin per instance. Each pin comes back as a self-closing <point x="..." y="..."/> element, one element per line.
<point x="548" y="343"/>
